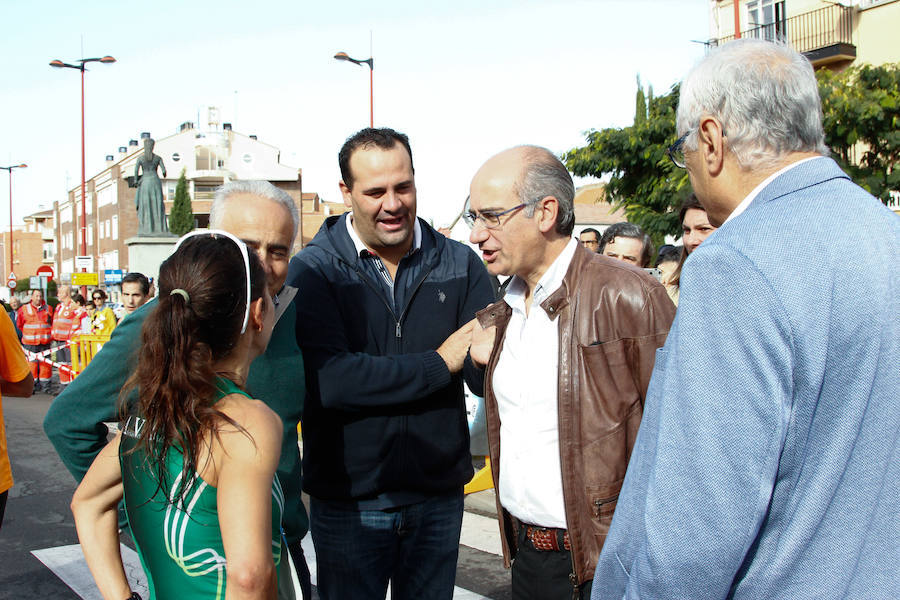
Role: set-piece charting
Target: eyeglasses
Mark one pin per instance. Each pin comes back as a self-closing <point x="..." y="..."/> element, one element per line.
<point x="98" y="297"/>
<point x="214" y="233"/>
<point x="675" y="152"/>
<point x="489" y="219"/>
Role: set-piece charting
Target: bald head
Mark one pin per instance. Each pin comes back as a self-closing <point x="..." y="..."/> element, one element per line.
<point x="532" y="173"/>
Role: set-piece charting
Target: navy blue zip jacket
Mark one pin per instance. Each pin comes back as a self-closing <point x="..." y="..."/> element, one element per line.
<point x="384" y="420"/>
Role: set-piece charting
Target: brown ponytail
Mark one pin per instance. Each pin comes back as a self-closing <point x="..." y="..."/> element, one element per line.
<point x="182" y="338"/>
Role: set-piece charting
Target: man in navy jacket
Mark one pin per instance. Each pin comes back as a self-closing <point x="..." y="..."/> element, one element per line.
<point x="384" y="319"/>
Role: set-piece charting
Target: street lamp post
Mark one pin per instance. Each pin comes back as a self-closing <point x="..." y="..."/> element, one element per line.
<point x="81" y="67"/>
<point x="371" y="62"/>
<point x="9" y="169"/>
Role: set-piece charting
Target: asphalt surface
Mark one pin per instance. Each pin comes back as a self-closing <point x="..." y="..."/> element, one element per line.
<point x="38" y="517"/>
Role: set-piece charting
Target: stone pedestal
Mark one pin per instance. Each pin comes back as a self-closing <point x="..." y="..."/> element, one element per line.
<point x="145" y="254"/>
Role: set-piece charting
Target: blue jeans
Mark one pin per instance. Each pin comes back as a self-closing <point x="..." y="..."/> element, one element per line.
<point x="413" y="546"/>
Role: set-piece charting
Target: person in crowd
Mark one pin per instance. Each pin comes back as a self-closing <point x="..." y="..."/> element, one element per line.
<point x="384" y="320"/>
<point x="13" y="313"/>
<point x="103" y="319"/>
<point x="590" y="239"/>
<point x="135" y="291"/>
<point x="695" y="227"/>
<point x="34" y="322"/>
<point x="267" y="220"/>
<point x="81" y="323"/>
<point x="669" y="261"/>
<point x="196" y="456"/>
<point x="63" y="318"/>
<point x="568" y="355"/>
<point x="767" y="462"/>
<point x="15" y="380"/>
<point x="626" y="242"/>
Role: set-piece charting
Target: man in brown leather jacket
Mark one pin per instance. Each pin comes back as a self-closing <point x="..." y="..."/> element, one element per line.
<point x="568" y="355"/>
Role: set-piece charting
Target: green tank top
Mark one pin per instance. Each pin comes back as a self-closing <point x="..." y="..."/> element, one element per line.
<point x="177" y="536"/>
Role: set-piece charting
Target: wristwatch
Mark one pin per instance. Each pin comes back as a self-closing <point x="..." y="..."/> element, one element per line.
<point x="134" y="596"/>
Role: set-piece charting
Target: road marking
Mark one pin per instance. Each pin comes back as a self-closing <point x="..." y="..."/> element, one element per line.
<point x="481" y="533"/>
<point x="67" y="563"/>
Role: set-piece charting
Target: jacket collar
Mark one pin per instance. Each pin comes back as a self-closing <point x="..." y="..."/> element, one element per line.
<point x="803" y="175"/>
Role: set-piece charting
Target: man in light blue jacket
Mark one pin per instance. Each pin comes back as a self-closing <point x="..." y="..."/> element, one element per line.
<point x="767" y="463"/>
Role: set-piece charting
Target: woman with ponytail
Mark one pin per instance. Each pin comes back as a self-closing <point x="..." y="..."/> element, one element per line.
<point x="195" y="458"/>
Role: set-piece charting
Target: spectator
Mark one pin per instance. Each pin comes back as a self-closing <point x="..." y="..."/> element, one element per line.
<point x="568" y="355"/>
<point x="15" y="380"/>
<point x="626" y="242"/>
<point x="64" y="316"/>
<point x="668" y="261"/>
<point x="196" y="457"/>
<point x="34" y="322"/>
<point x="135" y="291"/>
<point x="695" y="228"/>
<point x="13" y="313"/>
<point x="384" y="321"/>
<point x="103" y="319"/>
<point x="767" y="463"/>
<point x="590" y="239"/>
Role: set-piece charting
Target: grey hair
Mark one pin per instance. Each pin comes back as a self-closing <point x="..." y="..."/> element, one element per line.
<point x="260" y="188"/>
<point x="764" y="94"/>
<point x="544" y="175"/>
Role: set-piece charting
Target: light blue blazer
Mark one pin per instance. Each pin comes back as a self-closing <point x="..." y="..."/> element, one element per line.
<point x="767" y="463"/>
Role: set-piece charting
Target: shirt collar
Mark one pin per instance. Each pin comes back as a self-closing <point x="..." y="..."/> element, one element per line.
<point x="762" y="185"/>
<point x="362" y="250"/>
<point x="547" y="284"/>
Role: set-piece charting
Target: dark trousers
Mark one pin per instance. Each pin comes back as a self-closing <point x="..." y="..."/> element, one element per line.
<point x="3" y="497"/>
<point x="302" y="568"/>
<point x="544" y="574"/>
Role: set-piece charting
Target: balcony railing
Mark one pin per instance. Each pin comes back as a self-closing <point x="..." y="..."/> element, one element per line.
<point x="824" y="35"/>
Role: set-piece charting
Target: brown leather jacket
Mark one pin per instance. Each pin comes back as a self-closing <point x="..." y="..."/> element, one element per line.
<point x="612" y="318"/>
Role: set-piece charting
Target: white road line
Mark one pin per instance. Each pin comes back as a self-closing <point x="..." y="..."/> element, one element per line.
<point x="481" y="533"/>
<point x="67" y="563"/>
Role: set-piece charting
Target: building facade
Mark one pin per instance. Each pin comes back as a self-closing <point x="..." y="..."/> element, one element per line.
<point x="208" y="157"/>
<point x="830" y="33"/>
<point x="33" y="246"/>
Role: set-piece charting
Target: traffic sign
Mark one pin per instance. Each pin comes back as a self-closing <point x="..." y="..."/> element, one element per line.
<point x="45" y="270"/>
<point x="85" y="279"/>
<point x="84" y="262"/>
<point x="11" y="282"/>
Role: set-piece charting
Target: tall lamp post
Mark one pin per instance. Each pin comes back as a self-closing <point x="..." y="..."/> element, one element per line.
<point x="9" y="169"/>
<point x="371" y="62"/>
<point x="81" y="67"/>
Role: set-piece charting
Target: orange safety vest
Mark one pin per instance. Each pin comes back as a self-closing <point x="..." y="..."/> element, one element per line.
<point x="62" y="321"/>
<point x="35" y="324"/>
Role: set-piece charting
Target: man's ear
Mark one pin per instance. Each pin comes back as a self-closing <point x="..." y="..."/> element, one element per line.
<point x="345" y="192"/>
<point x="257" y="314"/>
<point x="547" y="209"/>
<point x="711" y="144"/>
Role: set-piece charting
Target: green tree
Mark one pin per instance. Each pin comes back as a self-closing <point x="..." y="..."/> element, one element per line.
<point x="640" y="104"/>
<point x="642" y="180"/>
<point x="181" y="220"/>
<point x="861" y="107"/>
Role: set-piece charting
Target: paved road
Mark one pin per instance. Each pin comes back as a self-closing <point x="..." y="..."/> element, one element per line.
<point x="38" y="519"/>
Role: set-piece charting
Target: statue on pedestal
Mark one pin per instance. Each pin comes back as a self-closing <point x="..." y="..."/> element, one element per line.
<point x="148" y="200"/>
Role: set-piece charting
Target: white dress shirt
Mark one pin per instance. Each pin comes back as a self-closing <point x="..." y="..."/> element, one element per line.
<point x="525" y="383"/>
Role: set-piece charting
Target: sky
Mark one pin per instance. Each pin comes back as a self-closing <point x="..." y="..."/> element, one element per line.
<point x="463" y="79"/>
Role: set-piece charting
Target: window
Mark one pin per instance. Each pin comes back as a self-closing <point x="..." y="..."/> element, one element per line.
<point x="90" y="233"/>
<point x="115" y="227"/>
<point x="767" y="19"/>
